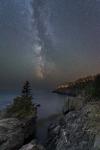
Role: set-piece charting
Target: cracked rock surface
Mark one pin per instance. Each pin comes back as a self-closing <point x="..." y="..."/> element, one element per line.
<point x="77" y="130"/>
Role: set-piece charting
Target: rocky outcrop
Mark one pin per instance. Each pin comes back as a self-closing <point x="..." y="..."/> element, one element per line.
<point x="74" y="88"/>
<point x="32" y="146"/>
<point x="14" y="133"/>
<point x="77" y="130"/>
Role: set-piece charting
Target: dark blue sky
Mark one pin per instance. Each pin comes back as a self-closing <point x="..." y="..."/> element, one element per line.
<point x="48" y="41"/>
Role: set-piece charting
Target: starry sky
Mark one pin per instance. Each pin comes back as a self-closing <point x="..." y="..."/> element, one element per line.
<point x="48" y="41"/>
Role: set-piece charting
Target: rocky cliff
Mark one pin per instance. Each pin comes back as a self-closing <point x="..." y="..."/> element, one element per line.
<point x="77" y="130"/>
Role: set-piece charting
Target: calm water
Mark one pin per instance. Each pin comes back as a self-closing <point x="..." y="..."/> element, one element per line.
<point x="50" y="104"/>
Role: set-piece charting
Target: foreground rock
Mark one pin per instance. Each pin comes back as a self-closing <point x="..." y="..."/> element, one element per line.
<point x="14" y="133"/>
<point x="77" y="130"/>
<point x="32" y="146"/>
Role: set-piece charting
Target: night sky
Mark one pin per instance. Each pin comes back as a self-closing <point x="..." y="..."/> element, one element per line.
<point x="48" y="41"/>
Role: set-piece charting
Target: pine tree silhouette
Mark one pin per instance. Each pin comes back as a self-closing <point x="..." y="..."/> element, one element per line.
<point x="26" y="90"/>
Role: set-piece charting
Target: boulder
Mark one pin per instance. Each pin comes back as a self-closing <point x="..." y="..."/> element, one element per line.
<point x="32" y="146"/>
<point x="14" y="133"/>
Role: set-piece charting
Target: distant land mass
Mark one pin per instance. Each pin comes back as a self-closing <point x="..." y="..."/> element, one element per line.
<point x="74" y="87"/>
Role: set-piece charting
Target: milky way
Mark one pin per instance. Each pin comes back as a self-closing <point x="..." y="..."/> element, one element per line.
<point x="42" y="39"/>
<point x="66" y="31"/>
<point x="48" y="41"/>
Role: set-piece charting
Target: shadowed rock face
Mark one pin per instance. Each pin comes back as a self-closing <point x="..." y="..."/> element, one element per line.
<point x="72" y="132"/>
<point x="14" y="133"/>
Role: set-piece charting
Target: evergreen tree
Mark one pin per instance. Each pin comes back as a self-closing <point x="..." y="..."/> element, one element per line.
<point x="26" y="90"/>
<point x="22" y="105"/>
